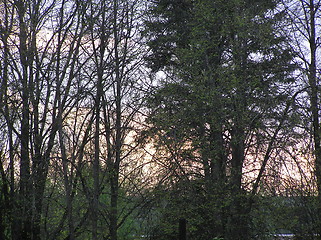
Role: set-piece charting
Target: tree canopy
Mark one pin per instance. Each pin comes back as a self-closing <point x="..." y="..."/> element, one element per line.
<point x="120" y="117"/>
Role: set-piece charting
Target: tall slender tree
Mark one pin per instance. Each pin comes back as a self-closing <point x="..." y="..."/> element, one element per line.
<point x="115" y="66"/>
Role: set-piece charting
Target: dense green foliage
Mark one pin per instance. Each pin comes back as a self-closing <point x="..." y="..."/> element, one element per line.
<point x="228" y="86"/>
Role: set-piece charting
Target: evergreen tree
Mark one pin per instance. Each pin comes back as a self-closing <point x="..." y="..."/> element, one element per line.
<point x="226" y="88"/>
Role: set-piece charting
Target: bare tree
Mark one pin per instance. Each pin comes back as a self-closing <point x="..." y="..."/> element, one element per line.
<point x="37" y="90"/>
<point x="304" y="28"/>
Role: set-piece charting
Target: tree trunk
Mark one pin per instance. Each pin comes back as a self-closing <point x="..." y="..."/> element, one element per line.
<point x="237" y="227"/>
<point x="113" y="218"/>
<point x="314" y="101"/>
<point x="25" y="181"/>
<point x="118" y="138"/>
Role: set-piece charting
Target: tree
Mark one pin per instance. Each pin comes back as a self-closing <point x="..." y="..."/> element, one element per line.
<point x="304" y="18"/>
<point x="35" y="101"/>
<point x="115" y="53"/>
<point x="72" y="84"/>
<point x="227" y="71"/>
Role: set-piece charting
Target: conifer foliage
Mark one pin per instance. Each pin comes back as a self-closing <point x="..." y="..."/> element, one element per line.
<point x="228" y="77"/>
